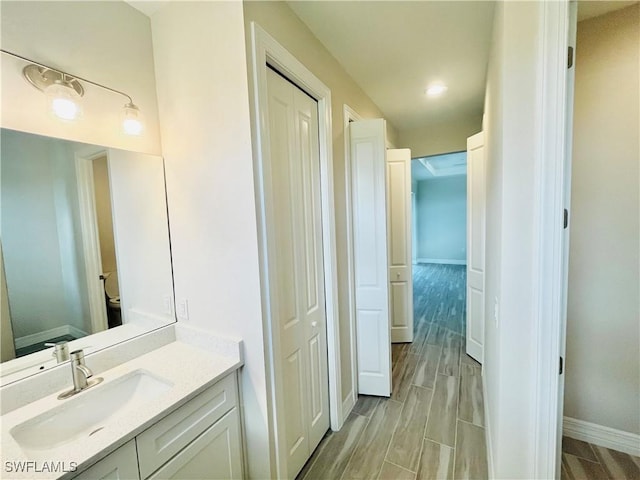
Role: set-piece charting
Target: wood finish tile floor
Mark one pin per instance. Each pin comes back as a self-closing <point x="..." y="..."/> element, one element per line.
<point x="432" y="427"/>
<point x="585" y="461"/>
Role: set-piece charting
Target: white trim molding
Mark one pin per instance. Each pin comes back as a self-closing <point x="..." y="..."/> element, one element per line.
<point x="46" y="335"/>
<point x="600" y="435"/>
<point x="442" y="261"/>
<point x="267" y="52"/>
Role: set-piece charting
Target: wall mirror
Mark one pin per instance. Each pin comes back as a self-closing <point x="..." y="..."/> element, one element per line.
<point x="85" y="253"/>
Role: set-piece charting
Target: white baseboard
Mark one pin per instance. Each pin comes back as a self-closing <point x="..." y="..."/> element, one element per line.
<point x="442" y="261"/>
<point x="487" y="431"/>
<point x="600" y="435"/>
<point x="39" y="337"/>
<point x="348" y="404"/>
<point x="76" y="332"/>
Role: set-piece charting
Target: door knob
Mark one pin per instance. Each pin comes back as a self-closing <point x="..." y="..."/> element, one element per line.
<point x="314" y="324"/>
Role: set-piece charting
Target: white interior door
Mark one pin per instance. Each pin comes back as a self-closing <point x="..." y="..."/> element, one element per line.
<point x="399" y="243"/>
<point x="296" y="268"/>
<point x="368" y="203"/>
<point x="476" y="213"/>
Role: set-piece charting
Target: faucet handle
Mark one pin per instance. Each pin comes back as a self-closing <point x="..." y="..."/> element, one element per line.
<point x="78" y="356"/>
<point x="77" y="363"/>
<point x="60" y="351"/>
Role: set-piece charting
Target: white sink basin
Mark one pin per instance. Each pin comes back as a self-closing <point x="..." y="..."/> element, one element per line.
<point x="88" y="412"/>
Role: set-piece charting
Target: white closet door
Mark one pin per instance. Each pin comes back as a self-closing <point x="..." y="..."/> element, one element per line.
<point x="476" y="212"/>
<point x="370" y="256"/>
<point x="399" y="244"/>
<point x="296" y="268"/>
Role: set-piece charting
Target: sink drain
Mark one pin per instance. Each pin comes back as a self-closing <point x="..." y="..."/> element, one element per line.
<point x="96" y="431"/>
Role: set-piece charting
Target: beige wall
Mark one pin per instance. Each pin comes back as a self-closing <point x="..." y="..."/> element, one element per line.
<point x="106" y="42"/>
<point x="206" y="142"/>
<point x="281" y="23"/>
<point x="440" y="138"/>
<point x="603" y="320"/>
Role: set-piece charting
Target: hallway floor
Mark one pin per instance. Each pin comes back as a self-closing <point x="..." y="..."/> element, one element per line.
<point x="585" y="461"/>
<point x="432" y="427"/>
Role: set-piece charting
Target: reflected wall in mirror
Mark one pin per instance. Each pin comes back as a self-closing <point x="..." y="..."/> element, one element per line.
<point x="84" y="246"/>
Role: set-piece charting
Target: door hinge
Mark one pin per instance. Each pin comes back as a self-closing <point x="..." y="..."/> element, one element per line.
<point x="561" y="366"/>
<point x="566" y="218"/>
<point x="570" y="58"/>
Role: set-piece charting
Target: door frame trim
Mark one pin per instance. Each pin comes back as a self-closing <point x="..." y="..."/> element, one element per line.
<point x="550" y="283"/>
<point x="265" y="50"/>
<point x="90" y="237"/>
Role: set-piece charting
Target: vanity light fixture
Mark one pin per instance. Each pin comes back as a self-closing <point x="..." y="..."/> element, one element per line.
<point x="64" y="92"/>
<point x="436" y="89"/>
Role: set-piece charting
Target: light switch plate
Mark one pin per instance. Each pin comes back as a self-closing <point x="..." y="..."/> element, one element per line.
<point x="182" y="309"/>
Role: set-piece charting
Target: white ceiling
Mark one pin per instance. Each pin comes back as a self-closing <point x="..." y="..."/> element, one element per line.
<point x="394" y="49"/>
<point x="594" y="8"/>
<point x="148" y="7"/>
<point x="438" y="166"/>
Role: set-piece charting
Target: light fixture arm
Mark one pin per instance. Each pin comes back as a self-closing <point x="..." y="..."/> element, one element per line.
<point x="130" y="100"/>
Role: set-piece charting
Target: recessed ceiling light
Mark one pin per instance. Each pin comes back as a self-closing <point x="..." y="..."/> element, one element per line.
<point x="436" y="90"/>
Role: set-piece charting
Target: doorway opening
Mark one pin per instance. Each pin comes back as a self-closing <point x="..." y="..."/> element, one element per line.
<point x="433" y="420"/>
<point x="439" y="188"/>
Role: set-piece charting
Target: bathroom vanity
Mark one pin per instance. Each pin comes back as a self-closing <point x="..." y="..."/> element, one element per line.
<point x="172" y="412"/>
<point x="200" y="439"/>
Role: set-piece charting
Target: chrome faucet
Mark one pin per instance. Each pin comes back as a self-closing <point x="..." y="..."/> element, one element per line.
<point x="60" y="351"/>
<point x="80" y="374"/>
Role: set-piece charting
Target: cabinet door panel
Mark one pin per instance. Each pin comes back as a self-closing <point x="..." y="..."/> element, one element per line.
<point x="213" y="455"/>
<point x="119" y="465"/>
<point x="163" y="440"/>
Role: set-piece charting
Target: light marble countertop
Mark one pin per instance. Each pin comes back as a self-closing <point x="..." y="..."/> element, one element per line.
<point x="189" y="369"/>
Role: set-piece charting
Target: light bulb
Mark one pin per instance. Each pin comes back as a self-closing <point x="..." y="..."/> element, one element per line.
<point x="436" y="90"/>
<point x="132" y="120"/>
<point x="63" y="101"/>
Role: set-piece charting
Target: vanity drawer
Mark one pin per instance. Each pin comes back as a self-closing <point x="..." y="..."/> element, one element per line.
<point x="159" y="443"/>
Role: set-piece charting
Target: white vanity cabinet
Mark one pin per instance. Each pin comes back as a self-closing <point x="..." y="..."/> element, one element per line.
<point x="200" y="440"/>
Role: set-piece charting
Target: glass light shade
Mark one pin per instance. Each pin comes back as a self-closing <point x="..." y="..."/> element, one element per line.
<point x="63" y="102"/>
<point x="132" y="120"/>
